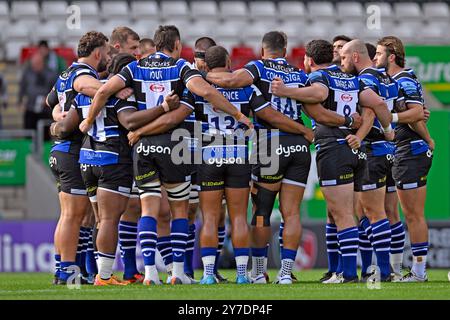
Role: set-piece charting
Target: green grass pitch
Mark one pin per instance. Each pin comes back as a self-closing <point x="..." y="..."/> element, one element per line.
<point x="36" y="286"/>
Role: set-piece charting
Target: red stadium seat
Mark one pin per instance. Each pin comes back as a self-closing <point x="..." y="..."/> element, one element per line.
<point x="297" y="57"/>
<point x="26" y="53"/>
<point x="66" y="53"/>
<point x="241" y="55"/>
<point x="187" y="53"/>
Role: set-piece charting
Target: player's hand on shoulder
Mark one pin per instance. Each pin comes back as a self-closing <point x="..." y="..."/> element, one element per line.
<point x="353" y="141"/>
<point x="278" y="87"/>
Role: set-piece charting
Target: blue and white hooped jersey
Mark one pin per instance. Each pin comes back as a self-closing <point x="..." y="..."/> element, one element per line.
<point x="385" y="87"/>
<point x="263" y="72"/>
<point x="106" y="142"/>
<point x="66" y="93"/>
<point x="154" y="77"/>
<point x="343" y="97"/>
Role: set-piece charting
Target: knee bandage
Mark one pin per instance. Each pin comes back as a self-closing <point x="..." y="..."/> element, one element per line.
<point x="150" y="189"/>
<point x="180" y="192"/>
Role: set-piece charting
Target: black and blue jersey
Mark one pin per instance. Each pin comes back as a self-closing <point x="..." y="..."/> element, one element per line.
<point x="411" y="92"/>
<point x="66" y="94"/>
<point x="106" y="142"/>
<point x="154" y="77"/>
<point x="342" y="98"/>
<point x="263" y="72"/>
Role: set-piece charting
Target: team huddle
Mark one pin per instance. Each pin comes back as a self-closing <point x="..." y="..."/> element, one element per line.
<point x="143" y="139"/>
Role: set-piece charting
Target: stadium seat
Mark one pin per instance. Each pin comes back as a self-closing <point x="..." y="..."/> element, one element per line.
<point x="234" y="11"/>
<point x="26" y="53"/>
<point x="292" y="11"/>
<point x="48" y="31"/>
<point x="407" y="10"/>
<point x="228" y="31"/>
<point x="115" y="9"/>
<point x="350" y="11"/>
<point x="407" y="31"/>
<point x="386" y="12"/>
<point x="25" y="10"/>
<point x="436" y="11"/>
<point x="187" y="53"/>
<point x="241" y="55"/>
<point x="255" y="31"/>
<point x="196" y="30"/>
<point x="145" y="28"/>
<point x="67" y="53"/>
<point x="297" y="57"/>
<point x="144" y="10"/>
<point x="54" y="10"/>
<point x="89" y="10"/>
<point x="183" y="24"/>
<point x="13" y="49"/>
<point x="263" y="11"/>
<point x="319" y="30"/>
<point x="175" y="10"/>
<point x="4" y="11"/>
<point x="107" y="27"/>
<point x="321" y="10"/>
<point x="204" y="11"/>
<point x="352" y="29"/>
<point x="433" y="34"/>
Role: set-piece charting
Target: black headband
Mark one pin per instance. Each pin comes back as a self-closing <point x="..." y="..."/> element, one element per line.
<point x="199" y="54"/>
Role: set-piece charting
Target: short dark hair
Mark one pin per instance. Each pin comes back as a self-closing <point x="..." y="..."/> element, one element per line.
<point x="371" y="50"/>
<point x="121" y="35"/>
<point x="120" y="61"/>
<point x="321" y="51"/>
<point x="204" y="43"/>
<point x="89" y="42"/>
<point x="216" y="57"/>
<point x="165" y="38"/>
<point x="274" y="41"/>
<point x="342" y="37"/>
<point x="394" y="46"/>
<point x="43" y="43"/>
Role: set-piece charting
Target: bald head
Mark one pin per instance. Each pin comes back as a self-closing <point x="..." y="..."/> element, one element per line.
<point x="355" y="57"/>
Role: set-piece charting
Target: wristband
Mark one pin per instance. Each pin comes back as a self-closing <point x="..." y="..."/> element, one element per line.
<point x="394" y="117"/>
<point x="348" y="121"/>
<point x="388" y="129"/>
<point x="165" y="106"/>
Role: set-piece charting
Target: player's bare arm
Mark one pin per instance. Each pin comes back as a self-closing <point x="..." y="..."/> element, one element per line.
<point x="414" y="113"/>
<point x="203" y="89"/>
<point x="65" y="126"/>
<point x="237" y="79"/>
<point x="421" y="128"/>
<point x="368" y="98"/>
<point x="354" y="140"/>
<point x="312" y="94"/>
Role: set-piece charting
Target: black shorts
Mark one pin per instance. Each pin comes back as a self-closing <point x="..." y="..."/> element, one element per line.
<point x="378" y="169"/>
<point x="390" y="183"/>
<point x="220" y="176"/>
<point x="292" y="161"/>
<point x="116" y="178"/>
<point x="66" y="170"/>
<point x="339" y="164"/>
<point x="410" y="170"/>
<point x="152" y="161"/>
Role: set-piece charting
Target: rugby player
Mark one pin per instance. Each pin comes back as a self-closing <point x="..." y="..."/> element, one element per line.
<point x="152" y="79"/>
<point x="291" y="178"/>
<point x="339" y="42"/>
<point x="146" y="48"/>
<point x="413" y="157"/>
<point x="106" y="164"/>
<point x="380" y="154"/>
<point x="339" y="92"/>
<point x="80" y="77"/>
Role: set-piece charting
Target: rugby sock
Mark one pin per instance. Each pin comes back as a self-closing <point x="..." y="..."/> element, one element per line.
<point x="365" y="247"/>
<point x="79" y="248"/>
<point x="105" y="264"/>
<point x="258" y="256"/>
<point x="147" y="239"/>
<point x="340" y="265"/>
<point x="241" y="257"/>
<point x="221" y="238"/>
<point x="65" y="272"/>
<point x="397" y="246"/>
<point x="85" y="235"/>
<point x="208" y="259"/>
<point x="91" y="264"/>
<point x="287" y="262"/>
<point x="178" y="238"/>
<point x="165" y="249"/>
<point x="381" y="239"/>
<point x="57" y="265"/>
<point x="127" y="245"/>
<point x="188" y="262"/>
<point x="332" y="247"/>
<point x="348" y="242"/>
<point x="280" y="238"/>
<point x="420" y="251"/>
